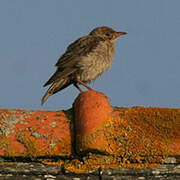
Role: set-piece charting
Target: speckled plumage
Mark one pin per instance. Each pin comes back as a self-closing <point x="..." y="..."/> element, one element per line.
<point x="84" y="60"/>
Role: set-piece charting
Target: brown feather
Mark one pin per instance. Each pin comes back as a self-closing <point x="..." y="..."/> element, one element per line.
<point x="55" y="87"/>
<point x="80" y="48"/>
<point x="60" y="74"/>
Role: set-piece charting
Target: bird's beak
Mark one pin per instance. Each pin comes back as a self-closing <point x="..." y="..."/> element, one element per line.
<point x="117" y="34"/>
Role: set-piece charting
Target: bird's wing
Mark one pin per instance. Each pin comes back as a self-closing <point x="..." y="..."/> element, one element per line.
<point x="66" y="64"/>
<point x="60" y="74"/>
<point x="77" y="49"/>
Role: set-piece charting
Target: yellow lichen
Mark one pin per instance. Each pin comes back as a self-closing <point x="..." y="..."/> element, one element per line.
<point x="32" y="146"/>
<point x="63" y="146"/>
<point x="137" y="138"/>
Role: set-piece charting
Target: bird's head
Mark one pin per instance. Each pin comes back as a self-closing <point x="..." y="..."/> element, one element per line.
<point x="106" y="33"/>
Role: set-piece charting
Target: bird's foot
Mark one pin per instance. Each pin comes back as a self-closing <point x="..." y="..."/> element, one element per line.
<point x="75" y="84"/>
<point x="82" y="83"/>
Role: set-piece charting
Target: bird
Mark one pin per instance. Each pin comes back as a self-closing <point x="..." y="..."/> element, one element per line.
<point x="84" y="60"/>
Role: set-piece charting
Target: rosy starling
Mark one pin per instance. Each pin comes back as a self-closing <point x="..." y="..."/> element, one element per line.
<point x="84" y="60"/>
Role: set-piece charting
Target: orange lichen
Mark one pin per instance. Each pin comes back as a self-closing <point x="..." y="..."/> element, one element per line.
<point x="41" y="128"/>
<point x="136" y="137"/>
<point x="142" y="131"/>
<point x="154" y="127"/>
<point x="51" y="163"/>
<point x="92" y="162"/>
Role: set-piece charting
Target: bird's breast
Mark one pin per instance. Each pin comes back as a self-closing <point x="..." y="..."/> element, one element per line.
<point x="96" y="62"/>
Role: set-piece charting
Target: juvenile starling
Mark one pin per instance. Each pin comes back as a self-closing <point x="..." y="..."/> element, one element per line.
<point x="84" y="60"/>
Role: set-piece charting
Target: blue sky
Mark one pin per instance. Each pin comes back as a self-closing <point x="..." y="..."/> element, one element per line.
<point x="145" y="70"/>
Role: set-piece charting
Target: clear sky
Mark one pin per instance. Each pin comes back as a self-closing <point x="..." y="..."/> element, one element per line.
<point x="145" y="70"/>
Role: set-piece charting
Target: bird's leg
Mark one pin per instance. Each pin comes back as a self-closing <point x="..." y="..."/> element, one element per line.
<point x="75" y="84"/>
<point x="84" y="84"/>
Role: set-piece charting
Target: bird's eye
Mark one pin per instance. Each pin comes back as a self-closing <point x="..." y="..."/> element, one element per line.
<point x="107" y="34"/>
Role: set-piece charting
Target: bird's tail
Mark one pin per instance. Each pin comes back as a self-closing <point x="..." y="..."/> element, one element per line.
<point x="55" y="87"/>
